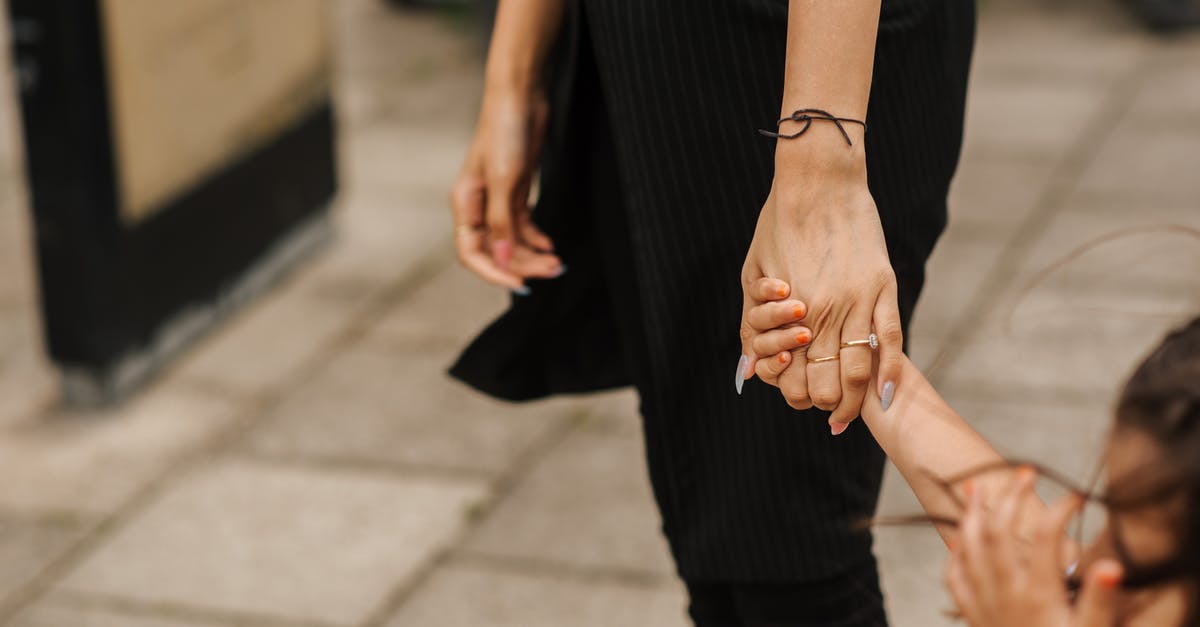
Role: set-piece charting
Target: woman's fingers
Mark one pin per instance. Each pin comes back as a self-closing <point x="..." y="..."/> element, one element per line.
<point x="532" y="236"/>
<point x="768" y="316"/>
<point x="530" y="263"/>
<point x="467" y="200"/>
<point x="856" y="365"/>
<point x="767" y="289"/>
<point x="891" y="343"/>
<point x="781" y="340"/>
<point x="823" y="369"/>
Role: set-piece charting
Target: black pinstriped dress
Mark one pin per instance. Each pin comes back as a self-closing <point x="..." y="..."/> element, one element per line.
<point x="652" y="180"/>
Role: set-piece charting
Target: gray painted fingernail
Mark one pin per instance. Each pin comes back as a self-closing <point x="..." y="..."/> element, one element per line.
<point x="739" y="379"/>
<point x="522" y="291"/>
<point x="889" y="391"/>
<point x="561" y="271"/>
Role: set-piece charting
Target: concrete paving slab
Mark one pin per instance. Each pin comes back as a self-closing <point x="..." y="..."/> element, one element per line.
<point x="1033" y="121"/>
<point x="447" y="311"/>
<point x="92" y="462"/>
<point x="1056" y="42"/>
<point x="50" y="615"/>
<point x="911" y="561"/>
<point x="287" y="542"/>
<point x="401" y="408"/>
<point x="269" y="342"/>
<point x="993" y="197"/>
<point x="588" y="504"/>
<point x="29" y="546"/>
<point x="1146" y="165"/>
<point x="954" y="276"/>
<point x="460" y="596"/>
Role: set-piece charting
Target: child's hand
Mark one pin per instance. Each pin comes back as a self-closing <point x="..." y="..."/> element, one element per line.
<point x="777" y="335"/>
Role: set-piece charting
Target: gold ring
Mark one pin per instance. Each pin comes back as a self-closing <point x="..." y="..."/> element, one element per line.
<point x="467" y="229"/>
<point x="872" y="341"/>
<point x="824" y="359"/>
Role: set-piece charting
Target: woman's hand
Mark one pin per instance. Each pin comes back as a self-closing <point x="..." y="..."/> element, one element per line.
<point x="820" y="233"/>
<point x="1001" y="577"/>
<point x="494" y="235"/>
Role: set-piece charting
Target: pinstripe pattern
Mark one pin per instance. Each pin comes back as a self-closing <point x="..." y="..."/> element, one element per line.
<point x="666" y="98"/>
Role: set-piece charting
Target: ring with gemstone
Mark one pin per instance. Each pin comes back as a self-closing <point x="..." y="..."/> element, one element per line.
<point x="871" y="341"/>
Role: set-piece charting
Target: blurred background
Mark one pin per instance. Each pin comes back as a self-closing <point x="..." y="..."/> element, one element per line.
<point x="228" y="297"/>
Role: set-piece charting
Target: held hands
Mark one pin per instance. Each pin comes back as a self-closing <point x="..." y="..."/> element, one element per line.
<point x="822" y="243"/>
<point x="494" y="235"/>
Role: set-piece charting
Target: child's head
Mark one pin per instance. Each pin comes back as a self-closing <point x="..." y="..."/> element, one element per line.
<point x="1154" y="473"/>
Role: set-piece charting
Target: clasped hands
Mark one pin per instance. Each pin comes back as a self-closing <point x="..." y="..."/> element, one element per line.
<point x="817" y="276"/>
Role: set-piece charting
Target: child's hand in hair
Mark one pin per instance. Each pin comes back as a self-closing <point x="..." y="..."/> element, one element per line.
<point x="1001" y="577"/>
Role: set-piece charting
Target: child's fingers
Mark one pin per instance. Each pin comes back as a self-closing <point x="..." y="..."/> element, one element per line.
<point x="768" y="316"/>
<point x="768" y="369"/>
<point x="767" y="289"/>
<point x="780" y="340"/>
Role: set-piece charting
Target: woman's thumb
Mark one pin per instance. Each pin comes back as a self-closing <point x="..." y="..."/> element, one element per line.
<point x="1097" y="606"/>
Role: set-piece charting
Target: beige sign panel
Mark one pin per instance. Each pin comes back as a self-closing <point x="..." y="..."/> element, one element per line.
<point x="194" y="84"/>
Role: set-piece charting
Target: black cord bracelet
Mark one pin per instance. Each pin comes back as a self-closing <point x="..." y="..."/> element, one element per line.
<point x="806" y="117"/>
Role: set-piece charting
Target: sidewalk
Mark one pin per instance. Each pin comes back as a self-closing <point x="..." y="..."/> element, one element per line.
<point x="310" y="465"/>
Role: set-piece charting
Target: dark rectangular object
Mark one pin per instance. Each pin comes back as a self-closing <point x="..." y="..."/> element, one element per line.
<point x="118" y="295"/>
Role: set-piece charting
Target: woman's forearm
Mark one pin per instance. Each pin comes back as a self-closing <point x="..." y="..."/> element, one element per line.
<point x="521" y="38"/>
<point x="830" y="59"/>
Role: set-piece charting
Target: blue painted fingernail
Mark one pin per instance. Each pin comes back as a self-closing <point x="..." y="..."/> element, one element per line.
<point x="522" y="291"/>
<point x="561" y="271"/>
<point x="889" y="391"/>
<point x="739" y="379"/>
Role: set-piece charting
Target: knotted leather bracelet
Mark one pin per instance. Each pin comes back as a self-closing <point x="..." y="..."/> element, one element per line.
<point x="806" y="117"/>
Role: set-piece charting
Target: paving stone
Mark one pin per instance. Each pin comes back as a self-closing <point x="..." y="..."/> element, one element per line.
<point x="1141" y="165"/>
<point x="28" y="546"/>
<point x="402" y="408"/>
<point x="993" y="197"/>
<point x="1093" y="44"/>
<point x="268" y="342"/>
<point x="587" y="504"/>
<point x="954" y="276"/>
<point x="1033" y="121"/>
<point x="51" y="615"/>
<point x="911" y="561"/>
<point x="460" y="596"/>
<point x="615" y="413"/>
<point x="448" y="310"/>
<point x="92" y="462"/>
<point x="286" y="542"/>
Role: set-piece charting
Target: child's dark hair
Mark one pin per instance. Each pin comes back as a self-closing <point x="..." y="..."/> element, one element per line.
<point x="1162" y="401"/>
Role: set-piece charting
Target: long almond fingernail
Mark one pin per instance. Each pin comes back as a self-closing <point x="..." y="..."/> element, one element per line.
<point x="885" y="397"/>
<point x="739" y="378"/>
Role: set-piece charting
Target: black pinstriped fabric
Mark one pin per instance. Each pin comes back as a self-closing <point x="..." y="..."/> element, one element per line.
<point x="652" y="183"/>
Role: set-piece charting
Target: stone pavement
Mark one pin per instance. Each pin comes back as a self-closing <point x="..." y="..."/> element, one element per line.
<point x="310" y="465"/>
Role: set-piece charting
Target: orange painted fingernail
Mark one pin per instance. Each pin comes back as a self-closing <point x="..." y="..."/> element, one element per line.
<point x="969" y="487"/>
<point x="782" y="291"/>
<point x="798" y="311"/>
<point x="1025" y="473"/>
<point x="803" y="337"/>
<point x="783" y="358"/>
<point x="1109" y="579"/>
